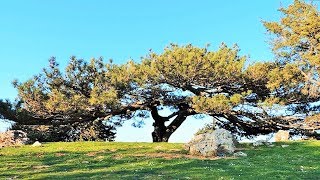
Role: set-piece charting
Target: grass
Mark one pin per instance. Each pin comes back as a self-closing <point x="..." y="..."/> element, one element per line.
<point x="101" y="160"/>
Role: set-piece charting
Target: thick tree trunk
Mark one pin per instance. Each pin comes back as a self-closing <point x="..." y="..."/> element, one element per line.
<point x="158" y="135"/>
<point x="162" y="132"/>
<point x="159" y="126"/>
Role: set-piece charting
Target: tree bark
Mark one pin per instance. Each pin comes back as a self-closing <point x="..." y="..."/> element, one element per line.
<point x="175" y="124"/>
<point x="161" y="132"/>
<point x="159" y="126"/>
<point x="158" y="135"/>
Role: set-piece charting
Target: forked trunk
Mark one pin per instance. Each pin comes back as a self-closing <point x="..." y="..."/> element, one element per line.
<point x="162" y="132"/>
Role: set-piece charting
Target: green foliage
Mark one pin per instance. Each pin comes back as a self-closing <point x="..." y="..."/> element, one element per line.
<point x="185" y="65"/>
<point x="288" y="77"/>
<point x="76" y="131"/>
<point x="7" y="110"/>
<point x="13" y="111"/>
<point x="100" y="160"/>
<point x="107" y="98"/>
<point x="258" y="72"/>
<point x="296" y="43"/>
<point x="218" y="104"/>
<point x="83" y="90"/>
<point x="70" y="102"/>
<point x="297" y="34"/>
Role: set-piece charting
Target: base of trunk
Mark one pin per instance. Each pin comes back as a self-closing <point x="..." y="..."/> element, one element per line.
<point x="159" y="137"/>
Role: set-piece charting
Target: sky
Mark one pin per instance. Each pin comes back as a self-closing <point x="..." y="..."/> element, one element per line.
<point x="33" y="31"/>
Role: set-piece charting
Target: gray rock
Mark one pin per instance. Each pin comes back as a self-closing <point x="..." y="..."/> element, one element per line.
<point x="261" y="143"/>
<point x="217" y="143"/>
<point x="258" y="143"/>
<point x="13" y="138"/>
<point x="240" y="154"/>
<point x="281" y="136"/>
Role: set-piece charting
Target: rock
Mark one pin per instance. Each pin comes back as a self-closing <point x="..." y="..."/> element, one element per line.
<point x="281" y="136"/>
<point x="284" y="146"/>
<point x="261" y="143"/>
<point x="258" y="143"/>
<point x="13" y="138"/>
<point x="240" y="154"/>
<point x="36" y="144"/>
<point x="219" y="142"/>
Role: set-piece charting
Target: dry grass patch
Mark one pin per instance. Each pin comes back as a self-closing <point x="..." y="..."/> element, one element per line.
<point x="40" y="155"/>
<point x="95" y="153"/>
<point x="41" y="167"/>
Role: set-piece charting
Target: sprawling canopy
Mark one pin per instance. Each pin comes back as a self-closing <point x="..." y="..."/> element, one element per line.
<point x="190" y="81"/>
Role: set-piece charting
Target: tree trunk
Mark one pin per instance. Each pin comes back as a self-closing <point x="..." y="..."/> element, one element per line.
<point x="158" y="135"/>
<point x="161" y="132"/>
<point x="159" y="126"/>
<point x="175" y="124"/>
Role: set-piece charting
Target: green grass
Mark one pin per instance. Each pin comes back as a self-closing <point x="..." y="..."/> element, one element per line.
<point x="101" y="160"/>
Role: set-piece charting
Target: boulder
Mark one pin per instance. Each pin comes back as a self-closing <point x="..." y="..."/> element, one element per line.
<point x="217" y="143"/>
<point x="13" y="138"/>
<point x="281" y="136"/>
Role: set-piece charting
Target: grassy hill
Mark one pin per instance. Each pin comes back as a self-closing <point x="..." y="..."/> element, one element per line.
<point x="101" y="160"/>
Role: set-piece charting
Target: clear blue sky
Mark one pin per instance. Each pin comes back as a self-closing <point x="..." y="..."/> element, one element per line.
<point x="34" y="30"/>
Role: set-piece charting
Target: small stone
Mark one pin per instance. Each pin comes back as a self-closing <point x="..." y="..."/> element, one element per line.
<point x="258" y="143"/>
<point x="85" y="162"/>
<point x="240" y="154"/>
<point x="36" y="144"/>
<point x="284" y="146"/>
